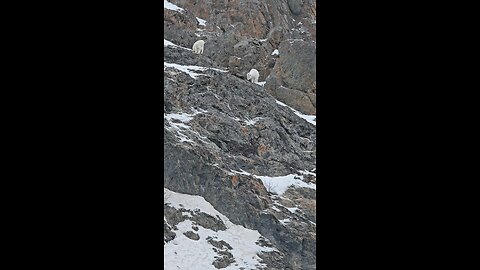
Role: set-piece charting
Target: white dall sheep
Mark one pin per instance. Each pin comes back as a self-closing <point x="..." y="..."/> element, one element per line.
<point x="253" y="75"/>
<point x="198" y="47"/>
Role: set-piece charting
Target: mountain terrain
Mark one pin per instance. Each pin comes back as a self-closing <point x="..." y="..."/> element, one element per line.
<point x="240" y="157"/>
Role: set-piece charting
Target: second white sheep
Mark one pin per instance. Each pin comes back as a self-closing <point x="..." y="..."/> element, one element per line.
<point x="198" y="46"/>
<point x="253" y="75"/>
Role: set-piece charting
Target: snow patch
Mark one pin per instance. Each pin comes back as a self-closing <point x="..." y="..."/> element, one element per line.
<point x="170" y="6"/>
<point x="185" y="253"/>
<point x="253" y="121"/>
<point x="189" y="69"/>
<point x="194" y="203"/>
<point x="168" y="43"/>
<point x="182" y="117"/>
<point x="309" y="118"/>
<point x="307" y="172"/>
<point x="201" y="22"/>
<point x="285" y="221"/>
<point x="281" y="184"/>
<point x="181" y="128"/>
<point x="292" y="209"/>
<point x="276" y="209"/>
<point x="242" y="172"/>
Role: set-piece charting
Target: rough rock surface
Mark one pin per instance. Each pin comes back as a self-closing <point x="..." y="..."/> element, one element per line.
<point x="293" y="78"/>
<point x="243" y="34"/>
<point x="234" y="143"/>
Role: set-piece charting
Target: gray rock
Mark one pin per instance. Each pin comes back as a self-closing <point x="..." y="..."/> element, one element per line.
<point x="192" y="235"/>
<point x="168" y="235"/>
<point x="295" y="7"/>
<point x="293" y="79"/>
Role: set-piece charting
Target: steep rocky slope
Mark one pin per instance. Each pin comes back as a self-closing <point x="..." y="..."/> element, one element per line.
<point x="239" y="157"/>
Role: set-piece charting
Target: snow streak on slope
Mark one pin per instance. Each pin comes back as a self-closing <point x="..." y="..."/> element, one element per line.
<point x="178" y="122"/>
<point x="201" y="22"/>
<point x="182" y="117"/>
<point x="309" y="118"/>
<point x="168" y="43"/>
<point x="185" y="253"/>
<point x="189" y="69"/>
<point x="170" y="6"/>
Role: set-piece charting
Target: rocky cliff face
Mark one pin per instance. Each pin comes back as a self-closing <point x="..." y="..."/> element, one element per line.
<point x="240" y="157"/>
